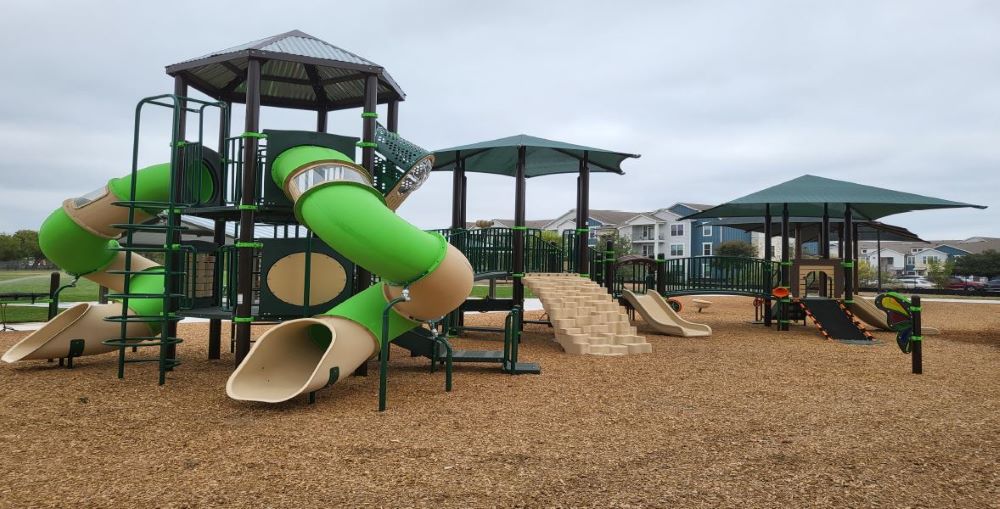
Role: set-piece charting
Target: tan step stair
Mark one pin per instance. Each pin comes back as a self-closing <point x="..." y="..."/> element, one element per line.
<point x="585" y="318"/>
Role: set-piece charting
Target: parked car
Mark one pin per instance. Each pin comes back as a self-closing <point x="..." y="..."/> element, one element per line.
<point x="994" y="285"/>
<point x="914" y="282"/>
<point x="957" y="283"/>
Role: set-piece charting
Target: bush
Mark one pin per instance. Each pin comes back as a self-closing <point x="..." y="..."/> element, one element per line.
<point x="737" y="248"/>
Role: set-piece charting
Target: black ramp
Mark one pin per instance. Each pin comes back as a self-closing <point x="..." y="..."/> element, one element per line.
<point x="831" y="318"/>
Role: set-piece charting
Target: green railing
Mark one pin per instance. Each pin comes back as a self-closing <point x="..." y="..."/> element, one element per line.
<point x="720" y="274"/>
<point x="492" y="249"/>
<point x="571" y="248"/>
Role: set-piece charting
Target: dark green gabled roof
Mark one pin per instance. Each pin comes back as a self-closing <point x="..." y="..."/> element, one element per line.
<point x="807" y="194"/>
<point x="542" y="157"/>
<point x="299" y="71"/>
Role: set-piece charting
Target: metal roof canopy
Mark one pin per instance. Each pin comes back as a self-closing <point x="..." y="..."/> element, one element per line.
<point x="542" y="157"/>
<point x="810" y="227"/>
<point x="807" y="195"/>
<point x="298" y="71"/>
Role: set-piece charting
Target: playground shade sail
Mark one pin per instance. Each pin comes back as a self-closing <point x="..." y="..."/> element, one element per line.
<point x="807" y="194"/>
<point x="871" y="230"/>
<point x="542" y="157"/>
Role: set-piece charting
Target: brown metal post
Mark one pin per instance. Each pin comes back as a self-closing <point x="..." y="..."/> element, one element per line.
<point x="53" y="288"/>
<point x="855" y="251"/>
<point x="364" y="278"/>
<point x="824" y="248"/>
<point x="768" y="258"/>
<point x="174" y="282"/>
<point x="321" y="120"/>
<point x="583" y="216"/>
<point x="248" y="200"/>
<point x="519" y="228"/>
<point x="785" y="307"/>
<point x="916" y="338"/>
<point x="878" y="255"/>
<point x="848" y="260"/>
<point x="392" y="122"/>
<point x="457" y="177"/>
<point x="219" y="239"/>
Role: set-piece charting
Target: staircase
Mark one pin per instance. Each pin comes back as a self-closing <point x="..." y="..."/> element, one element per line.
<point x="586" y="319"/>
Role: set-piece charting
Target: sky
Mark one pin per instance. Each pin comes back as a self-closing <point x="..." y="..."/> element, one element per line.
<point x="721" y="98"/>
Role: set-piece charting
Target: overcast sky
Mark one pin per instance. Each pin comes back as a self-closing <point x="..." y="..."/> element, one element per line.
<point x="720" y="98"/>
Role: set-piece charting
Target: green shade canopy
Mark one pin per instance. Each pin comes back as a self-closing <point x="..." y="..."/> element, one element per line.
<point x="811" y="227"/>
<point x="542" y="157"/>
<point x="807" y="194"/>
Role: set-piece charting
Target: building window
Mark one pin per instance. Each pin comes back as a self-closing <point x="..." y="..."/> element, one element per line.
<point x="706" y="249"/>
<point x="647" y="250"/>
<point x="925" y="259"/>
<point x="647" y="232"/>
<point x="677" y="230"/>
<point x="706" y="231"/>
<point x="909" y="260"/>
<point x="676" y="249"/>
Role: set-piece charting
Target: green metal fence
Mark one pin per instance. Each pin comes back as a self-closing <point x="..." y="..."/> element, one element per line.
<point x="492" y="249"/>
<point x="720" y="274"/>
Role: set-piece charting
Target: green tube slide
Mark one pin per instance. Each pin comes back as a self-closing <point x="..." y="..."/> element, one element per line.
<point x="78" y="251"/>
<point x="352" y="218"/>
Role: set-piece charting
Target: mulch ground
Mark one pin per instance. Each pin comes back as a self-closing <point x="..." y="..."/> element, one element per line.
<point x="746" y="418"/>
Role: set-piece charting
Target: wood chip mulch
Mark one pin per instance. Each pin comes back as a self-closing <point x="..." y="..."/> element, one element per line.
<point x="746" y="418"/>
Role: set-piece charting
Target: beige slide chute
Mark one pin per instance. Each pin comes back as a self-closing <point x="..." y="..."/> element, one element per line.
<point x="659" y="316"/>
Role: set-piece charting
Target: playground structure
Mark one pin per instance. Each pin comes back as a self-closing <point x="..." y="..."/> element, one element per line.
<point x="360" y="277"/>
<point x="332" y="314"/>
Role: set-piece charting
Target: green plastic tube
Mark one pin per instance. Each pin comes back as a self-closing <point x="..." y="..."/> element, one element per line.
<point x="79" y="252"/>
<point x="354" y="220"/>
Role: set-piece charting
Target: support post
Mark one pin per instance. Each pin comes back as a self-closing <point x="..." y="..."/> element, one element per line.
<point x="456" y="192"/>
<point x="916" y="339"/>
<point x="824" y="249"/>
<point x="364" y="278"/>
<point x="609" y="266"/>
<point x="769" y="259"/>
<point x="583" y="215"/>
<point x="321" y="120"/>
<point x="392" y="120"/>
<point x="53" y="289"/>
<point x="519" y="198"/>
<point x="248" y="199"/>
<point x="661" y="273"/>
<point x="848" y="260"/>
<point x="855" y="254"/>
<point x="215" y="325"/>
<point x="174" y="281"/>
<point x="878" y="255"/>
<point x="784" y="316"/>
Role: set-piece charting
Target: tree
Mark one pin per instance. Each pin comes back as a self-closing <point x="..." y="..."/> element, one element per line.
<point x="622" y="244"/>
<point x="552" y="236"/>
<point x="939" y="272"/>
<point x="869" y="277"/>
<point x="10" y="249"/>
<point x="737" y="248"/>
<point x="27" y="241"/>
<point x="986" y="264"/>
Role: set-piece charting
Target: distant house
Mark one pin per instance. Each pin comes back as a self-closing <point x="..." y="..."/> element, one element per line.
<point x="597" y="221"/>
<point x="913" y="257"/>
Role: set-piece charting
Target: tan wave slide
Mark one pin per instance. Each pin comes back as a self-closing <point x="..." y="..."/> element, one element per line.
<point x="662" y="318"/>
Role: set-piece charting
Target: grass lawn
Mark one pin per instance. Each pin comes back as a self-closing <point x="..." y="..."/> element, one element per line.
<point x="20" y="314"/>
<point x="38" y="282"/>
<point x="503" y="291"/>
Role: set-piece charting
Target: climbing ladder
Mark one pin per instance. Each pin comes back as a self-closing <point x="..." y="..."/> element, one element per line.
<point x="586" y="319"/>
<point x="184" y="189"/>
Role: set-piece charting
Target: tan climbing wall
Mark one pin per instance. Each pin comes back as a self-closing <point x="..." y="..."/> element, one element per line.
<point x="585" y="318"/>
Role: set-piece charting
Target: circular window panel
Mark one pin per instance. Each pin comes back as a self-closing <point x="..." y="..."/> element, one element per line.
<point x="287" y="276"/>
